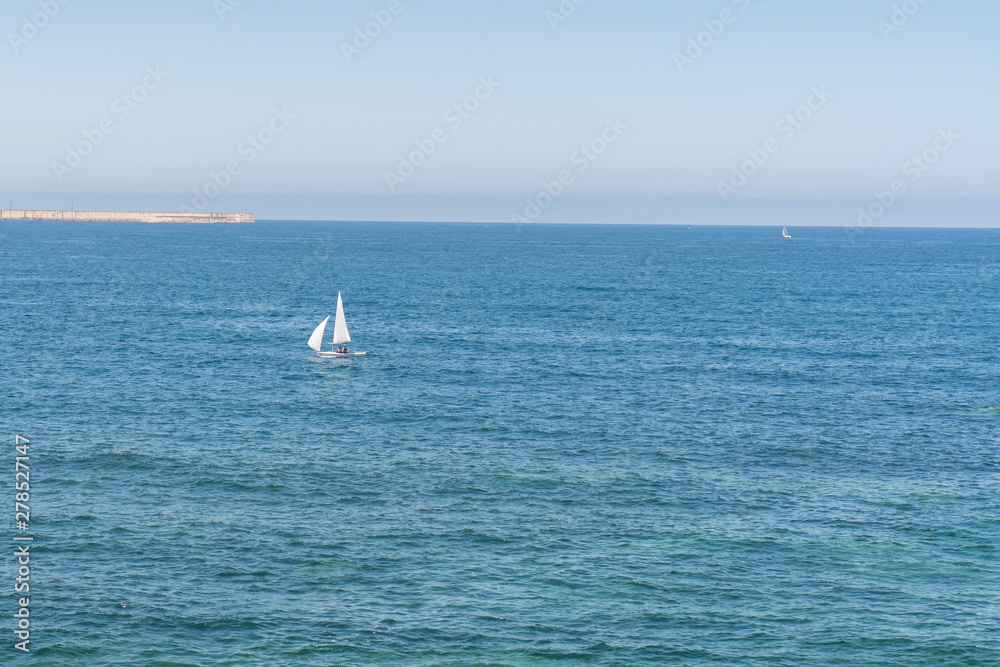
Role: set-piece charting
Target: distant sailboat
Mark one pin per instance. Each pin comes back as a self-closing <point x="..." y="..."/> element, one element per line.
<point x="340" y="335"/>
<point x="784" y="233"/>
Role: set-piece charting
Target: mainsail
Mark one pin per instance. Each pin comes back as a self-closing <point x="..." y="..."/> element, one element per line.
<point x="340" y="333"/>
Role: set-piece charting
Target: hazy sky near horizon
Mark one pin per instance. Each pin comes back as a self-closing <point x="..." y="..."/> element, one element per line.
<point x="225" y="68"/>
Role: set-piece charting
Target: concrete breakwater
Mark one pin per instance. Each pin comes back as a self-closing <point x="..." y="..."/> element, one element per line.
<point x="127" y="216"/>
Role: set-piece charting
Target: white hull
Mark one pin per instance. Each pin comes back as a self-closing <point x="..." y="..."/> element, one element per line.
<point x="336" y="355"/>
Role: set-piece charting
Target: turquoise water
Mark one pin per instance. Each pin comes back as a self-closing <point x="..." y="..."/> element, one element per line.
<point x="568" y="445"/>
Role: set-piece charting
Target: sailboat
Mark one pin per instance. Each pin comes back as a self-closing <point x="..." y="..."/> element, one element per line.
<point x="784" y="233"/>
<point x="340" y="335"/>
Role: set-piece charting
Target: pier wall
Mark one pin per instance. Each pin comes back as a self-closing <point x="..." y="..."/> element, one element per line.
<point x="127" y="216"/>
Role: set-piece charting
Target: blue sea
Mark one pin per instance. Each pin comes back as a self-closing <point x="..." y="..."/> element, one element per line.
<point x="568" y="445"/>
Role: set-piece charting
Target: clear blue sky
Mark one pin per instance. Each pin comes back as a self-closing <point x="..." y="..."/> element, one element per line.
<point x="685" y="130"/>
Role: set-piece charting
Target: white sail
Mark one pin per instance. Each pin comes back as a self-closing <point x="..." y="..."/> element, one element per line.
<point x="340" y="333"/>
<point x="316" y="340"/>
